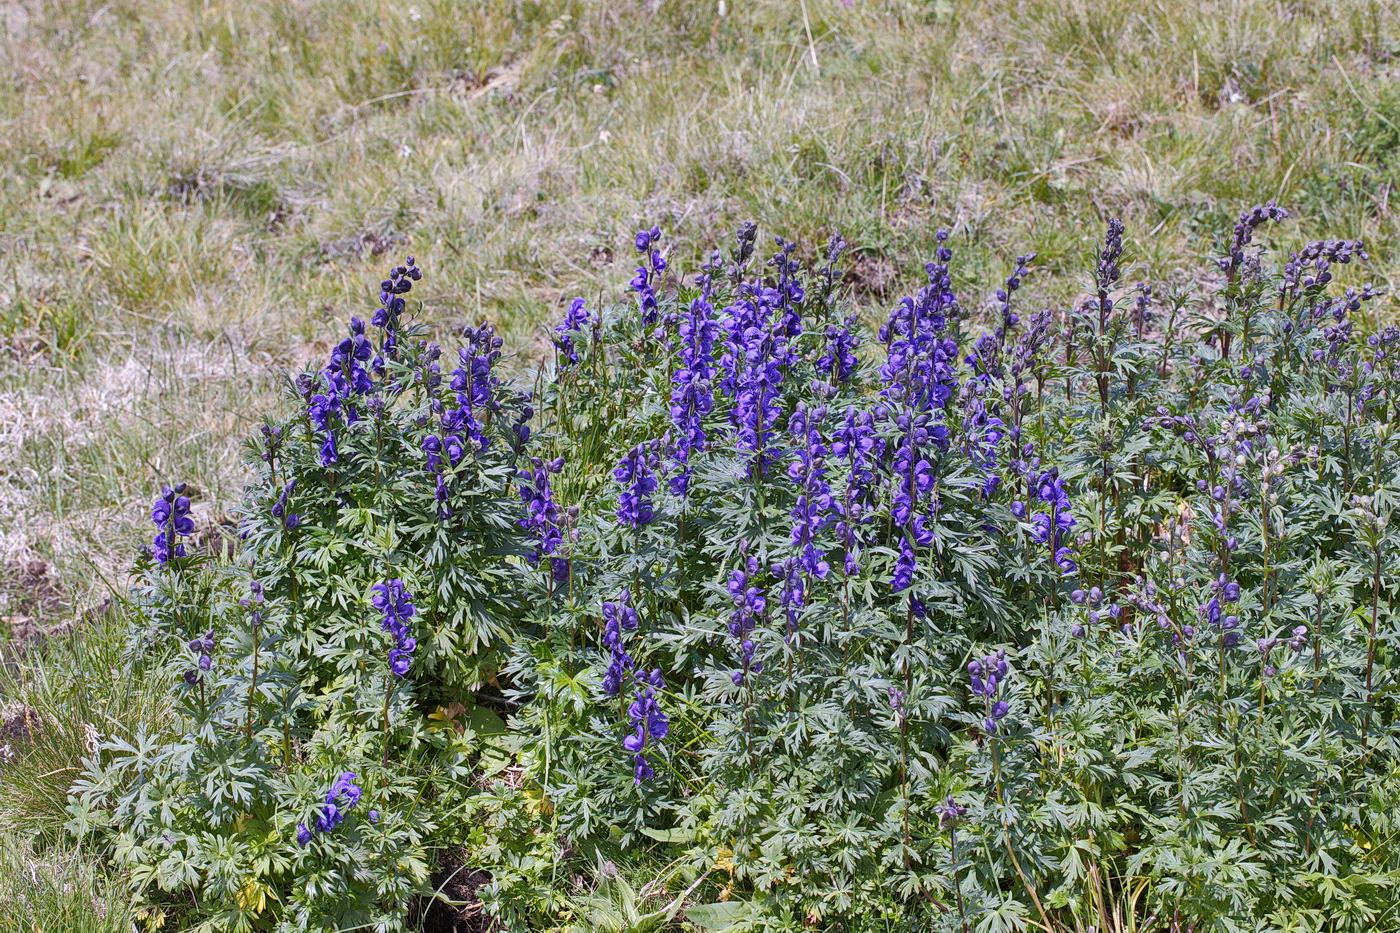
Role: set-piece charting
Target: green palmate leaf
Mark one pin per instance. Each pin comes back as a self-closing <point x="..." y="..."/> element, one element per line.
<point x="717" y="916"/>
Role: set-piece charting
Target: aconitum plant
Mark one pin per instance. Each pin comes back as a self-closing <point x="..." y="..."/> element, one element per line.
<point x="838" y="360"/>
<point x="812" y="512"/>
<point x="282" y="509"/>
<point x="475" y="385"/>
<point x="692" y="398"/>
<point x="750" y="604"/>
<point x="1170" y="504"/>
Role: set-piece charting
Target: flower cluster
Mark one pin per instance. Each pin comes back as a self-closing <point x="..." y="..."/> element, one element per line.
<point x="648" y="273"/>
<point x="575" y="320"/>
<point x="856" y="442"/>
<point x="436" y="449"/>
<point x="649" y="725"/>
<point x="1249" y="221"/>
<point x="814" y="502"/>
<point x="391" y="305"/>
<point x="755" y="354"/>
<point x="950" y="813"/>
<point x="838" y="359"/>
<point x="1052" y="527"/>
<point x="203" y="649"/>
<point x="794" y="592"/>
<point x="692" y="398"/>
<point x="749" y="606"/>
<point x="987" y="676"/>
<point x="282" y="509"/>
<point x="475" y="386"/>
<point x="618" y="617"/>
<point x="788" y="295"/>
<point x="1094" y="599"/>
<point x="1009" y="319"/>
<point x="343" y="795"/>
<point x="914" y="478"/>
<point x="344" y="378"/>
<point x="171" y="515"/>
<point x="637" y="476"/>
<point x="397" y="605"/>
<point x="1223" y="592"/>
<point x="541" y="513"/>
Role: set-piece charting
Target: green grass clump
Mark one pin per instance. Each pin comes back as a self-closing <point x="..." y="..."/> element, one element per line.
<point x="58" y="889"/>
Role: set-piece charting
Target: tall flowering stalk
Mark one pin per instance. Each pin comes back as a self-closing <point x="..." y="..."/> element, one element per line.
<point x="857" y="443"/>
<point x="636" y="473"/>
<point x="475" y="386"/>
<point x="982" y="429"/>
<point x="838" y="359"/>
<point x="343" y="380"/>
<point x="618" y="616"/>
<point x="1052" y="527"/>
<point x="441" y="452"/>
<point x="649" y="725"/>
<point x="788" y="294"/>
<point x="542" y="515"/>
<point x="986" y="677"/>
<point x="396" y="603"/>
<point x="793" y="597"/>
<point x="919" y="379"/>
<point x="391" y="306"/>
<point x="648" y="273"/>
<point x="171" y="515"/>
<point x="755" y="354"/>
<point x="829" y="275"/>
<point x="692" y="397"/>
<point x="812" y="512"/>
<point x="1009" y="319"/>
<point x="282" y="508"/>
<point x="749" y="607"/>
<point x="913" y="478"/>
<point x="1236" y="260"/>
<point x="576" y="320"/>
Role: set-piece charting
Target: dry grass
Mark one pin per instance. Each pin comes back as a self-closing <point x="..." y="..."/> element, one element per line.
<point x="193" y="192"/>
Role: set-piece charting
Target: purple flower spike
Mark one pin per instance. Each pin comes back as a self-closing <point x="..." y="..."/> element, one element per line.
<point x="396" y="603"/>
<point x="171" y="515"/>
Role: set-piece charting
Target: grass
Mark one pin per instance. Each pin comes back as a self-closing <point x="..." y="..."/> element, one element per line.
<point x="193" y="195"/>
<point x="58" y="889"/>
<point x="67" y="694"/>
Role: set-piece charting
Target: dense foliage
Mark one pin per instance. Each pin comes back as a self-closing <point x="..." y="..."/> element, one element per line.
<point x="740" y="615"/>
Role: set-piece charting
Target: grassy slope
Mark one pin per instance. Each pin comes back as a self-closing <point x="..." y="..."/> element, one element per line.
<point x="190" y="193"/>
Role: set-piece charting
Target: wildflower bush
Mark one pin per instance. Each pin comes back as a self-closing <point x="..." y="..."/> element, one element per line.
<point x="738" y="614"/>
